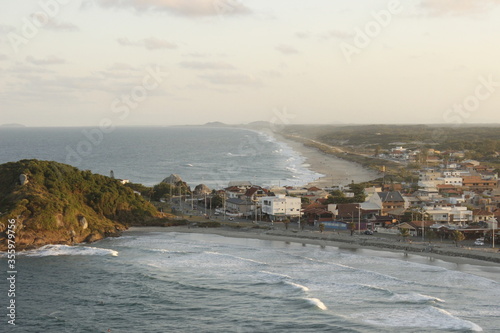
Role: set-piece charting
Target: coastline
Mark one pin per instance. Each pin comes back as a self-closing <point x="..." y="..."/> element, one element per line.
<point x="335" y="171"/>
<point x="437" y="250"/>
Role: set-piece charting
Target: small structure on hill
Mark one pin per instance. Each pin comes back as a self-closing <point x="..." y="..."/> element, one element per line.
<point x="23" y="179"/>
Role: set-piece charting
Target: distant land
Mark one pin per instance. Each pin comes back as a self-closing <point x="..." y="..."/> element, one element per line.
<point x="12" y="125"/>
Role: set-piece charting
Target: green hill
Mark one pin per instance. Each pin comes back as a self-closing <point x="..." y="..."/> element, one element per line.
<point x="59" y="204"/>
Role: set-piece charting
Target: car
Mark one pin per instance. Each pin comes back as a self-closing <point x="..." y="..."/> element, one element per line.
<point x="368" y="232"/>
<point x="478" y="242"/>
<point x="231" y="219"/>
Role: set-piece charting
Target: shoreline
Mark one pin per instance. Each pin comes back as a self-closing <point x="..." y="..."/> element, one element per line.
<point x="342" y="240"/>
<point x="335" y="170"/>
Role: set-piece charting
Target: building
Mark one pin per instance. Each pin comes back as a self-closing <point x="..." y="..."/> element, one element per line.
<point x="477" y="183"/>
<point x="392" y="202"/>
<point x="240" y="207"/>
<point x="449" y="214"/>
<point x="281" y="206"/>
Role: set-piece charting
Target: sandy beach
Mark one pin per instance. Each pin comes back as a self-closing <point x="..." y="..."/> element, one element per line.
<point x="446" y="251"/>
<point x="336" y="171"/>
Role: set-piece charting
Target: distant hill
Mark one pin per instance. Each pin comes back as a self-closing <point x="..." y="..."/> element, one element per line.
<point x="55" y="203"/>
<point x="215" y="124"/>
<point x="12" y="125"/>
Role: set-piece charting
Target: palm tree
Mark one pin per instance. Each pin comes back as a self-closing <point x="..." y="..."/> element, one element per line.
<point x="457" y="236"/>
<point x="405" y="233"/>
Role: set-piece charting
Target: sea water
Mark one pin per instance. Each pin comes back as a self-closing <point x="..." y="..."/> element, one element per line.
<point x="151" y="280"/>
<point x="147" y="155"/>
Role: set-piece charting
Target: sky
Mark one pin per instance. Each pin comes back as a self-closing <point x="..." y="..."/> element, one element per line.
<point x="176" y="62"/>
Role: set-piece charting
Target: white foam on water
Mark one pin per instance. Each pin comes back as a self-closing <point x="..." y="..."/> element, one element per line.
<point x="317" y="303"/>
<point x="236" y="257"/>
<point x="426" y="318"/>
<point x="277" y="274"/>
<point x="416" y="298"/>
<point x="297" y="286"/>
<point x="66" y="250"/>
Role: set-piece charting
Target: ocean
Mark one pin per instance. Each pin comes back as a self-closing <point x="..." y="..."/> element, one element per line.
<point x="150" y="280"/>
<point x="154" y="281"/>
<point x="147" y="155"/>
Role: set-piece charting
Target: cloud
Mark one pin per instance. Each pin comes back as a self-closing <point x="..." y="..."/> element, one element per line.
<point x="120" y="70"/>
<point x="61" y="26"/>
<point x="231" y="79"/>
<point x="149" y="43"/>
<point x="53" y="24"/>
<point x="303" y="34"/>
<point x="339" y="34"/>
<point x="457" y="7"/>
<point x="121" y="66"/>
<point x="203" y="65"/>
<point x="155" y="43"/>
<point x="50" y="60"/>
<point x="286" y="49"/>
<point x="190" y="8"/>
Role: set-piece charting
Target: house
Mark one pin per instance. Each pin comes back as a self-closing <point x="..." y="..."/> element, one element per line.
<point x="280" y="206"/>
<point x="255" y="192"/>
<point x="316" y="212"/>
<point x="239" y="206"/>
<point x="234" y="192"/>
<point x="242" y="185"/>
<point x="479" y="215"/>
<point x="415" y="227"/>
<point x="477" y="183"/>
<point x="392" y="202"/>
<point x="449" y="214"/>
<point x="316" y="193"/>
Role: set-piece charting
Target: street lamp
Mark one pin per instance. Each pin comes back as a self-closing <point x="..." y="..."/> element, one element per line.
<point x="359" y="219"/>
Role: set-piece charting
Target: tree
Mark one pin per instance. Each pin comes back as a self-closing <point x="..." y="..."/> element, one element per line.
<point x="160" y="191"/>
<point x="431" y="234"/>
<point x="405" y="233"/>
<point x="217" y="201"/>
<point x="351" y="226"/>
<point x="457" y="236"/>
<point x="321" y="227"/>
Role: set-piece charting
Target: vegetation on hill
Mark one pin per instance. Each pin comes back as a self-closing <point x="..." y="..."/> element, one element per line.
<point x="61" y="204"/>
<point x="361" y="143"/>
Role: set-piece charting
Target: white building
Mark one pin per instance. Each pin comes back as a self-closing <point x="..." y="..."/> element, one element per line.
<point x="455" y="181"/>
<point x="280" y="206"/>
<point x="449" y="214"/>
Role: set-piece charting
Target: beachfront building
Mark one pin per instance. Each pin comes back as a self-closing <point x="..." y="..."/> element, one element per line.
<point x="240" y="207"/>
<point x="449" y="214"/>
<point x="280" y="207"/>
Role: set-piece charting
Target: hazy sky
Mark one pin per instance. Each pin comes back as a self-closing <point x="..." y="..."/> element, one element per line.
<point x="171" y="62"/>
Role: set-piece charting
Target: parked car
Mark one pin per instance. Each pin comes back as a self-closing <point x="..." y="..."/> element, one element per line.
<point x="368" y="232"/>
<point x="478" y="242"/>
